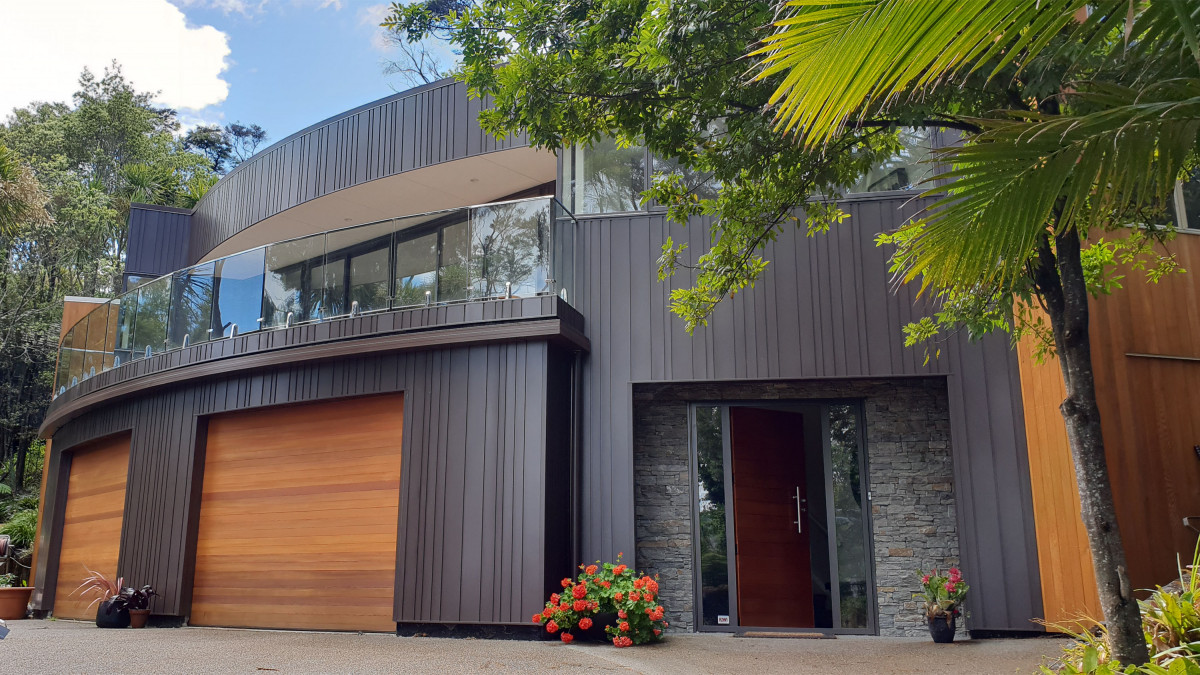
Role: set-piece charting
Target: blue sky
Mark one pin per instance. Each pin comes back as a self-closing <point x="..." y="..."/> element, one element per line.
<point x="294" y="64"/>
<point x="282" y="64"/>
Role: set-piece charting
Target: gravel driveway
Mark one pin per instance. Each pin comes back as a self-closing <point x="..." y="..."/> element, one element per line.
<point x="75" y="647"/>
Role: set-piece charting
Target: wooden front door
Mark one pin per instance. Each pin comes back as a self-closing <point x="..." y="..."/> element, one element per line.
<point x="774" y="567"/>
<point x="298" y="517"/>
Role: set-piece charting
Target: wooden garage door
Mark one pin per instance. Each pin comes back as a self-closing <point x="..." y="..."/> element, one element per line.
<point x="298" y="517"/>
<point x="91" y="533"/>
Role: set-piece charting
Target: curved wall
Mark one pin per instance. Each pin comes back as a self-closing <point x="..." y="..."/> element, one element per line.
<point x="486" y="388"/>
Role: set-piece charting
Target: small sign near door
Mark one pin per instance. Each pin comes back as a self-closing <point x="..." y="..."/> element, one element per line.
<point x="722" y="619"/>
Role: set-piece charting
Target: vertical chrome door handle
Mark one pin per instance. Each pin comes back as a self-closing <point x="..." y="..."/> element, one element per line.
<point x="799" y="518"/>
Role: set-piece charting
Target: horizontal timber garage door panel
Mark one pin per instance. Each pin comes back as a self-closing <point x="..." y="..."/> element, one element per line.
<point x="298" y="517"/>
<point x="91" y="533"/>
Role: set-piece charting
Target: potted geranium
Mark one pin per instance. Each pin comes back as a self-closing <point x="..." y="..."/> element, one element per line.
<point x="943" y="596"/>
<point x="14" y="600"/>
<point x="611" y="596"/>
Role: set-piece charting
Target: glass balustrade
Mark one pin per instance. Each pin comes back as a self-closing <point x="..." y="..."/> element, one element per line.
<point x="520" y="248"/>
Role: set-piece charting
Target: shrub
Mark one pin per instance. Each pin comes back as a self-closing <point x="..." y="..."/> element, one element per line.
<point x="606" y="588"/>
<point x="21" y="528"/>
<point x="1170" y="623"/>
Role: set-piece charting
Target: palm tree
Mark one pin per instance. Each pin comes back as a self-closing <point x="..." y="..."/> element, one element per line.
<point x="1102" y="119"/>
<point x="22" y="200"/>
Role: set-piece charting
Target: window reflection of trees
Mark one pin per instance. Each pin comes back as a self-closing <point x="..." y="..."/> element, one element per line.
<point x="509" y="244"/>
<point x="848" y="514"/>
<point x="710" y="472"/>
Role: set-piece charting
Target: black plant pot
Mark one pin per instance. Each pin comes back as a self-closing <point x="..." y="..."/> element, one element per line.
<point x="112" y="615"/>
<point x="596" y="632"/>
<point x="942" y="628"/>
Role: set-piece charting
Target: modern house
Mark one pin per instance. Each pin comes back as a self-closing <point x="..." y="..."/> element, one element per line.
<point x="394" y="374"/>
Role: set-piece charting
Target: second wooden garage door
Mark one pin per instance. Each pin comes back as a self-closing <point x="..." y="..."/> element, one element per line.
<point x="298" y="517"/>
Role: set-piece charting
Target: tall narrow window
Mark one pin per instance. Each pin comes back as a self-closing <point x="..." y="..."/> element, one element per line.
<point x="710" y="492"/>
<point x="454" y="270"/>
<point x="852" y="551"/>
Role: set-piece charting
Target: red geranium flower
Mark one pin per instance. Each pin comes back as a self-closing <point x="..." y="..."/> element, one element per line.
<point x="623" y="627"/>
<point x="567" y="637"/>
<point x="580" y="605"/>
<point x="591" y="569"/>
<point x="619" y="596"/>
<point x="548" y="612"/>
<point x="657" y="631"/>
<point x="635" y="596"/>
<point x="566" y="582"/>
<point x="537" y="618"/>
<point x="563" y="606"/>
<point x="552" y="627"/>
<point x="647" y="597"/>
<point x="619" y="570"/>
<point x="579" y="591"/>
<point x="621" y="614"/>
<point x="585" y="623"/>
<point x="652" y="586"/>
<point x="638" y="583"/>
<point x="554" y="598"/>
<point x="606" y="584"/>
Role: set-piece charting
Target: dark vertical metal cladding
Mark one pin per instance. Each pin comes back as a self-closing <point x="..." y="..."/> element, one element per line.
<point x="833" y="315"/>
<point x="158" y="240"/>
<point x="453" y="446"/>
<point x="426" y="125"/>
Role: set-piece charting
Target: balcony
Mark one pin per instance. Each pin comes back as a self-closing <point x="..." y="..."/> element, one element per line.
<point x="515" y="249"/>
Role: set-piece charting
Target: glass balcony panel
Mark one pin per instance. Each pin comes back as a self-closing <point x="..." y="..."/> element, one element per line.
<point x="604" y="178"/>
<point x="97" y="329"/>
<point x="113" y="308"/>
<point x="903" y="171"/>
<point x="510" y="245"/>
<point x="75" y="368"/>
<point x="454" y="268"/>
<point x="191" y="305"/>
<point x="126" y="317"/>
<point x="238" y="293"/>
<point x="358" y="268"/>
<point x="416" y="270"/>
<point x="288" y="286"/>
<point x="62" y="375"/>
<point x="154" y="311"/>
<point x="562" y="256"/>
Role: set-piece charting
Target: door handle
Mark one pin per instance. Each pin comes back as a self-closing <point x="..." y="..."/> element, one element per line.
<point x="799" y="517"/>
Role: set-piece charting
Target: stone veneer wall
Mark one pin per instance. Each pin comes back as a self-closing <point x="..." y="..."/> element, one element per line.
<point x="909" y="471"/>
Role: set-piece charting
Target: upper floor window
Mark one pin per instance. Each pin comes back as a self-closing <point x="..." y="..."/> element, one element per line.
<point x="1187" y="202"/>
<point x="605" y="178"/>
<point x="903" y="171"/>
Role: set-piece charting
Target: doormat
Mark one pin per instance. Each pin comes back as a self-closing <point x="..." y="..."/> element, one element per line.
<point x="778" y="634"/>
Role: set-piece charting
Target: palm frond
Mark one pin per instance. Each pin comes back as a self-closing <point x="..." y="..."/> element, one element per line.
<point x="1110" y="167"/>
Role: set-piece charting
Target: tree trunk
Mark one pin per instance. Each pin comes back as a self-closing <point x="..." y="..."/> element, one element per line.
<point x="1060" y="281"/>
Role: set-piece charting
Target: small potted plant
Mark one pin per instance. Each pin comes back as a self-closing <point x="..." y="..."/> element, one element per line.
<point x="606" y="602"/>
<point x="14" y="599"/>
<point x="113" y="611"/>
<point x="943" y="596"/>
<point x="138" y="602"/>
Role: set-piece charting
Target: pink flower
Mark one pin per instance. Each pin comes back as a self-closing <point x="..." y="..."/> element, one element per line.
<point x="925" y="579"/>
<point x="950" y="586"/>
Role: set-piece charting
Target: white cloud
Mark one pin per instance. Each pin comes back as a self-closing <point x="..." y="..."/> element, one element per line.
<point x="47" y="44"/>
<point x="371" y="16"/>
<point x="250" y="8"/>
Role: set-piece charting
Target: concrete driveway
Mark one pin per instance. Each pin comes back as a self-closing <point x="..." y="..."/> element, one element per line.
<point x="74" y="647"/>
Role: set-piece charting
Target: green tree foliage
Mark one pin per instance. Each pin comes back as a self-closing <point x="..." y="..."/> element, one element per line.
<point x="68" y="174"/>
<point x="225" y="147"/>
<point x="1104" y="123"/>
<point x="1072" y="129"/>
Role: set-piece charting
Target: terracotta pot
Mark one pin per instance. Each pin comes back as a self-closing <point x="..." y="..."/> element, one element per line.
<point x="137" y="618"/>
<point x="942" y="627"/>
<point x="13" y="602"/>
